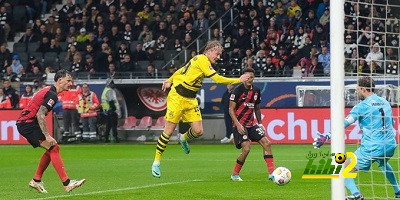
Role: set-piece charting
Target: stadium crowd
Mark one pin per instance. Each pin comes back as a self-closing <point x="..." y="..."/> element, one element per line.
<point x="106" y="38"/>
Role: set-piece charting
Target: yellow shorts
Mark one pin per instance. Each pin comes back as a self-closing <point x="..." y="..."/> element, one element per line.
<point x="181" y="107"/>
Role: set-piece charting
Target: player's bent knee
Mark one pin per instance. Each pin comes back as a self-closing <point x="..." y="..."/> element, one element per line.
<point x="198" y="131"/>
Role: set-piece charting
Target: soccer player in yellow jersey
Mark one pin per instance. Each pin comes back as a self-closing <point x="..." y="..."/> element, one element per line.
<point x="182" y="102"/>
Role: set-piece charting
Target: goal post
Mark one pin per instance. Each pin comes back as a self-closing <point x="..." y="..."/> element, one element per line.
<point x="337" y="88"/>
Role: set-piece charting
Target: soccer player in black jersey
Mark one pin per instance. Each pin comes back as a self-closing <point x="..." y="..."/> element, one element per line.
<point x="244" y="102"/>
<point x="32" y="125"/>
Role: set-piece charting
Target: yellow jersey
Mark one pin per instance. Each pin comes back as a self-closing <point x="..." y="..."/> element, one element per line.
<point x="189" y="78"/>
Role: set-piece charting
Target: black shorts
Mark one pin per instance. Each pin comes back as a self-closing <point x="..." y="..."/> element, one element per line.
<point x="253" y="133"/>
<point x="32" y="132"/>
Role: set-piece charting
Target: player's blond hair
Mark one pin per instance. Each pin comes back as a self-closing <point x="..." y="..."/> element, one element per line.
<point x="212" y="44"/>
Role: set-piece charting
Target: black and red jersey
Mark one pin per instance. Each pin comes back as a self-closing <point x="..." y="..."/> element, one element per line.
<point x="45" y="97"/>
<point x="245" y="100"/>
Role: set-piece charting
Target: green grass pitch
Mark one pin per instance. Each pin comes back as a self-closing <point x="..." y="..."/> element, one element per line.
<point x="123" y="171"/>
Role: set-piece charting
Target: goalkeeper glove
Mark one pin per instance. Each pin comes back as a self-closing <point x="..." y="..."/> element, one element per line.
<point x="321" y="139"/>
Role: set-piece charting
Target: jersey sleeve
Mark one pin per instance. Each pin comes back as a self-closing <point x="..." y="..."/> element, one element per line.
<point x="204" y="65"/>
<point x="50" y="99"/>
<point x="258" y="100"/>
<point x="355" y="112"/>
<point x="235" y="95"/>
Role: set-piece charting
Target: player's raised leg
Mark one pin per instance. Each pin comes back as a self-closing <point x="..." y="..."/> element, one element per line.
<point x="268" y="157"/>
<point x="161" y="145"/>
<point x="350" y="182"/>
<point x="387" y="170"/>
<point x="195" y="131"/>
<point x="245" y="145"/>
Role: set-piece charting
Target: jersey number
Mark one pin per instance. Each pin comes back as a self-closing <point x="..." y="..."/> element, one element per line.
<point x="185" y="68"/>
<point x="383" y="119"/>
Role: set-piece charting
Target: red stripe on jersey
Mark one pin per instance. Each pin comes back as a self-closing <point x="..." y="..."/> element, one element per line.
<point x="29" y="112"/>
<point x="244" y="113"/>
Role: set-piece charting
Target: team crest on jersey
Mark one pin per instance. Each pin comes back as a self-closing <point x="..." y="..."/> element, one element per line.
<point x="244" y="137"/>
<point x="232" y="97"/>
<point x="50" y="102"/>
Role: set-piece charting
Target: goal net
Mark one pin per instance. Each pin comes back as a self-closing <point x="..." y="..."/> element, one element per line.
<point x="371" y="42"/>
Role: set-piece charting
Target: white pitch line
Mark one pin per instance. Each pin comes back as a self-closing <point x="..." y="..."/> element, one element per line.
<point x="117" y="190"/>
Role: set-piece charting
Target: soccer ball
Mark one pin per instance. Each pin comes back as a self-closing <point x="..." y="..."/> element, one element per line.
<point x="282" y="175"/>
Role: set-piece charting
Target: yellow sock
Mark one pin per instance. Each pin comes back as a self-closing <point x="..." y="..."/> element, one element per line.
<point x="189" y="135"/>
<point x="161" y="145"/>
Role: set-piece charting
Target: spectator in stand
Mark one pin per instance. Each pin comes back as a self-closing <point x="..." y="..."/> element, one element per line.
<point x="304" y="64"/>
<point x="36" y="74"/>
<point x="242" y="40"/>
<point x="145" y="31"/>
<point x="161" y="43"/>
<point x="59" y="36"/>
<point x="43" y="33"/>
<point x="5" y="56"/>
<point x="311" y="21"/>
<point x="70" y="55"/>
<point x="321" y="8"/>
<point x="293" y="57"/>
<point x="89" y="65"/>
<point x="128" y="36"/>
<point x="148" y="42"/>
<point x="86" y="23"/>
<point x="82" y="37"/>
<point x="10" y="75"/>
<point x="201" y="23"/>
<point x="138" y="54"/>
<point x="115" y="35"/>
<point x="36" y="26"/>
<point x="269" y="69"/>
<point x="319" y="34"/>
<point x="5" y="21"/>
<point x="112" y="71"/>
<point x="260" y="61"/>
<point x="87" y="104"/>
<point x="300" y="38"/>
<point x="324" y="19"/>
<point x="325" y="60"/>
<point x="11" y="93"/>
<point x="54" y="46"/>
<point x="28" y="37"/>
<point x="77" y="65"/>
<point x="5" y="101"/>
<point x="315" y="68"/>
<point x="151" y="72"/>
<point x="52" y="25"/>
<point x="283" y="70"/>
<point x="16" y="64"/>
<point x="153" y="55"/>
<point x="281" y="55"/>
<point x="281" y="17"/>
<point x="44" y="45"/>
<point x="246" y="57"/>
<point x="250" y="64"/>
<point x="26" y="97"/>
<point x="314" y="53"/>
<point x="122" y="51"/>
<point x="374" y="59"/>
<point x="127" y="65"/>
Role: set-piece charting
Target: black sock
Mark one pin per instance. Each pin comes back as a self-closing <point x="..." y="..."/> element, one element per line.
<point x="65" y="183"/>
<point x="37" y="181"/>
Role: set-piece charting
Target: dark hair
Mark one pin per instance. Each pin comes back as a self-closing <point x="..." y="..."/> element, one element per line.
<point x="249" y="69"/>
<point x="62" y="73"/>
<point x="367" y="82"/>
